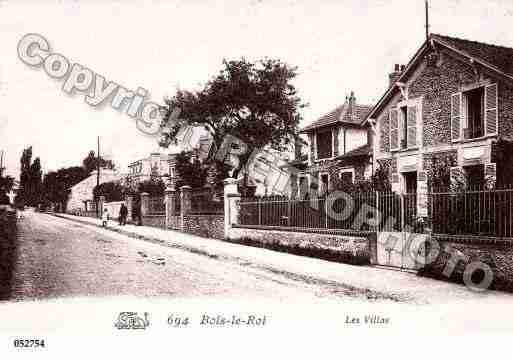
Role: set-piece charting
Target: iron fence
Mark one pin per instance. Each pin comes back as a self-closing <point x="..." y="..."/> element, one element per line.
<point x="157" y="206"/>
<point x="483" y="213"/>
<point x="206" y="202"/>
<point x="479" y="213"/>
<point x="336" y="212"/>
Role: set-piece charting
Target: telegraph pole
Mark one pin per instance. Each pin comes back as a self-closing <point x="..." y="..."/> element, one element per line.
<point x="2" y="164"/>
<point x="98" y="175"/>
<point x="427" y="20"/>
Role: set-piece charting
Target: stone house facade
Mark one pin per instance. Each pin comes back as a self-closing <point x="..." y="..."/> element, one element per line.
<point x="340" y="148"/>
<point x="453" y="100"/>
<point x="81" y="195"/>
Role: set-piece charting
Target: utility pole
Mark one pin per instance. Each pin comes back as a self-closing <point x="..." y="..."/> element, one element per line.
<point x="2" y="164"/>
<point x="427" y="20"/>
<point x="98" y="175"/>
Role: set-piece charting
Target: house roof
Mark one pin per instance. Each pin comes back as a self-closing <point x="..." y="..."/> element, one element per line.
<point x="498" y="59"/>
<point x="349" y="113"/>
<point x="364" y="150"/>
<point x="499" y="56"/>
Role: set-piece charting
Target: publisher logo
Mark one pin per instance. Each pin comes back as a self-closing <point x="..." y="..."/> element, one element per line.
<point x="131" y="320"/>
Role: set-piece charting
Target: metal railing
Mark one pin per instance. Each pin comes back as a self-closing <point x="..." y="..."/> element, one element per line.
<point x="486" y="213"/>
<point x="206" y="202"/>
<point x="156" y="206"/>
<point x="314" y="213"/>
<point x="483" y="213"/>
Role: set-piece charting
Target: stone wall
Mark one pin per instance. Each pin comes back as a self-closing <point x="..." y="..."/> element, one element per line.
<point x="210" y="226"/>
<point x="495" y="253"/>
<point x="354" y="247"/>
<point x="158" y="221"/>
<point x="7" y="251"/>
<point x="175" y="222"/>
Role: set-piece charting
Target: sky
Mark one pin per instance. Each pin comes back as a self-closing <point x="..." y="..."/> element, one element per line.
<point x="338" y="46"/>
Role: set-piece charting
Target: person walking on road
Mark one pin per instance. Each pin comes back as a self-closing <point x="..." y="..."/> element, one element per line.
<point x="123" y="213"/>
<point x="105" y="217"/>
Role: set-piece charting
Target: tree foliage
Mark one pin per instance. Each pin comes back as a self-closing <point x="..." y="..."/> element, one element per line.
<point x="504" y="160"/>
<point x="255" y="102"/>
<point x="90" y="163"/>
<point x="155" y="187"/>
<point x="57" y="184"/>
<point x="378" y="182"/>
<point x="191" y="171"/>
<point x="31" y="188"/>
<point x="113" y="191"/>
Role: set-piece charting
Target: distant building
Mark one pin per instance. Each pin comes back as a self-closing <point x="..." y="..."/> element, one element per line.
<point x="141" y="170"/>
<point x="164" y="165"/>
<point x="81" y="195"/>
<point x="340" y="149"/>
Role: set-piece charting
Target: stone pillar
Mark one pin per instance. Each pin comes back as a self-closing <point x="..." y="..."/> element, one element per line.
<point x="129" y="199"/>
<point x="185" y="203"/>
<point x="101" y="201"/>
<point x="145" y="204"/>
<point x="170" y="200"/>
<point x="231" y="206"/>
<point x="490" y="176"/>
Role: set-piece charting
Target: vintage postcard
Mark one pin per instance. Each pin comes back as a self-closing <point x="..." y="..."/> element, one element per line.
<point x="256" y="178"/>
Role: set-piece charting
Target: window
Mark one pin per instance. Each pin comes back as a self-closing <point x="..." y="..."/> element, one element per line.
<point x="474" y="113"/>
<point x="403" y="126"/>
<point x="303" y="187"/>
<point x="346" y="176"/>
<point x="404" y="115"/>
<point x="324" y="145"/>
<point x="474" y="103"/>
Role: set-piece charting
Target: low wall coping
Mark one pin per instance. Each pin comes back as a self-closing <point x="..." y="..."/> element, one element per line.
<point x="203" y="215"/>
<point x="472" y="239"/>
<point x="336" y="232"/>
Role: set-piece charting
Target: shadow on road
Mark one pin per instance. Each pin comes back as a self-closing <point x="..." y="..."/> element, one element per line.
<point x="7" y="251"/>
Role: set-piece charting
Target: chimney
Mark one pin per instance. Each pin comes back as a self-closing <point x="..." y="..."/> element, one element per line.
<point x="352" y="99"/>
<point x="392" y="77"/>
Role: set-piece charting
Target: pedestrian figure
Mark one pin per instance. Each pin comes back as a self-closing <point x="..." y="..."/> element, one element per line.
<point x="123" y="213"/>
<point x="105" y="217"/>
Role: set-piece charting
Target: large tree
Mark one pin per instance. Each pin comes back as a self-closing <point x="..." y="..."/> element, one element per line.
<point x="30" y="191"/>
<point x="254" y="102"/>
<point x="56" y="184"/>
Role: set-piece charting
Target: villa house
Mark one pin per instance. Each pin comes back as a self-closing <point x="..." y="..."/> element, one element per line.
<point x="340" y="148"/>
<point x="453" y="100"/>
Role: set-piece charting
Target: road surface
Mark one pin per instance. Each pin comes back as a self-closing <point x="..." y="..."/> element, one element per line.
<point x="55" y="257"/>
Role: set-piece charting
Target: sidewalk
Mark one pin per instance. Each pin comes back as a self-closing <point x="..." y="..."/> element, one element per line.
<point x="405" y="286"/>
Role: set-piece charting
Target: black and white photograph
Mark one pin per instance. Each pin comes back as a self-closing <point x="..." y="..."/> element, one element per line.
<point x="256" y="178"/>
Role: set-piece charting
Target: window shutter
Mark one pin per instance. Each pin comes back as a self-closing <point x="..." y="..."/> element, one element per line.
<point x="394" y="129"/>
<point x="455" y="116"/>
<point x="412" y="126"/>
<point x="491" y="111"/>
